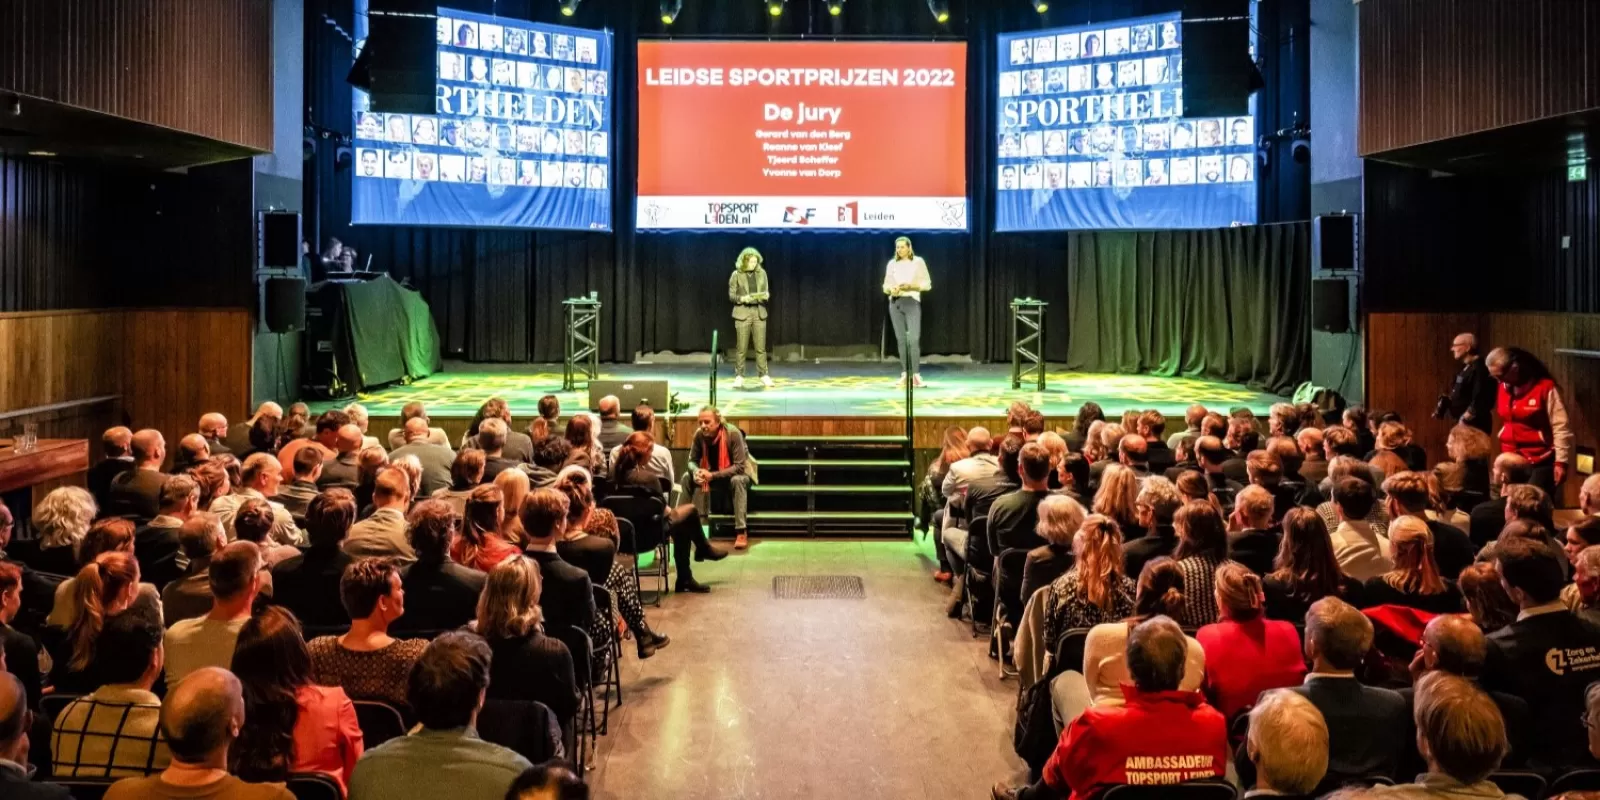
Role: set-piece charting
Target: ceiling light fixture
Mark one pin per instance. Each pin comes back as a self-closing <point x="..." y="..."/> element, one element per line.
<point x="669" y="11"/>
<point x="940" y="10"/>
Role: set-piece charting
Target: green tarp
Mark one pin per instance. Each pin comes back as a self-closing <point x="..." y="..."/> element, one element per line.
<point x="387" y="334"/>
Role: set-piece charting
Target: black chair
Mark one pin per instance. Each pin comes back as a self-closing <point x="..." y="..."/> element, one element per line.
<point x="980" y="568"/>
<point x="1007" y="604"/>
<point x="379" y="722"/>
<point x="1193" y="790"/>
<point x="609" y="666"/>
<point x="646" y="516"/>
<point x="313" y="786"/>
<point x="524" y="726"/>
<point x="1515" y="781"/>
<point x="1069" y="651"/>
<point x="585" y="729"/>
<point x="51" y="705"/>
<point x="86" y="788"/>
<point x="1577" y="780"/>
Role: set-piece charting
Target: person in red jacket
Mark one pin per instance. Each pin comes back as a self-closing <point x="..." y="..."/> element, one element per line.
<point x="1162" y="735"/>
<point x="1246" y="653"/>
<point x="1533" y="419"/>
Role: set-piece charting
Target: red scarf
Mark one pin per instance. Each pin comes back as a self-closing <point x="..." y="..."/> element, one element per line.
<point x="722" y="452"/>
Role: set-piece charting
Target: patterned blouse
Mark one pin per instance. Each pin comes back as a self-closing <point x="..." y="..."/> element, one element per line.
<point x="1066" y="606"/>
<point x="1199" y="590"/>
<point x="372" y="675"/>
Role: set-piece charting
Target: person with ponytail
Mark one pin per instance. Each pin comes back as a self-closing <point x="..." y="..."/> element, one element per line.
<point x="105" y="536"/>
<point x="1246" y="653"/>
<point x="294" y="724"/>
<point x="479" y="544"/>
<point x="1415" y="581"/>
<point x="1094" y="590"/>
<point x="104" y="588"/>
<point x="1105" y="663"/>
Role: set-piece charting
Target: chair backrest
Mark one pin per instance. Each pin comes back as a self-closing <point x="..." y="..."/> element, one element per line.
<point x="1069" y="651"/>
<point x="1528" y="784"/>
<point x="313" y="786"/>
<point x="1578" y="780"/>
<point x="627" y="540"/>
<point x="521" y="725"/>
<point x="86" y="788"/>
<point x="1193" y="790"/>
<point x="51" y="705"/>
<point x="978" y="553"/>
<point x="646" y="514"/>
<point x="379" y="722"/>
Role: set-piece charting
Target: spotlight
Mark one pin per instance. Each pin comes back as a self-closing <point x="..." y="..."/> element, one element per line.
<point x="669" y="11"/>
<point x="940" y="10"/>
<point x="569" y="7"/>
<point x="835" y="7"/>
<point x="775" y="7"/>
<point x="1041" y="6"/>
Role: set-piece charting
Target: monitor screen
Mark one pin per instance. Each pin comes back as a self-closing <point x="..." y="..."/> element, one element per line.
<point x="1091" y="134"/>
<point x="802" y="136"/>
<point x="521" y="137"/>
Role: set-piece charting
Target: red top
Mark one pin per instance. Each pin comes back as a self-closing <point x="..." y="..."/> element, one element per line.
<point x="327" y="738"/>
<point x="1244" y="659"/>
<point x="494" y="551"/>
<point x="1525" y="416"/>
<point x="1156" y="738"/>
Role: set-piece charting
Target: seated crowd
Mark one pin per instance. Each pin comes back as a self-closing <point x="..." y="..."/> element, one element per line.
<point x="1299" y="607"/>
<point x="212" y="631"/>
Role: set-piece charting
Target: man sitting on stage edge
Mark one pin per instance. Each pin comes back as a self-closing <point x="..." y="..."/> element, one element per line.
<point x="718" y="454"/>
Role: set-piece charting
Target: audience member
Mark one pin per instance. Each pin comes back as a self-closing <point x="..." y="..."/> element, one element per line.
<point x="19" y="653"/>
<point x="1094" y="590"/>
<point x="1252" y="540"/>
<point x="518" y="446"/>
<point x="1246" y="654"/>
<point x="116" y="457"/>
<point x="1414" y="582"/>
<point x="414" y="410"/>
<point x="1202" y="547"/>
<point x="1408" y="496"/>
<point x="1211" y="453"/>
<point x="1362" y="552"/>
<point x="1137" y="743"/>
<point x="1461" y="737"/>
<point x="114" y="731"/>
<point x="1306" y="570"/>
<point x="60" y="521"/>
<point x="549" y="456"/>
<point x="1488" y="517"/>
<point x="1152" y="426"/>
<point x="548" y="781"/>
<point x="1266" y="470"/>
<point x="1117" y="498"/>
<point x="37" y="594"/>
<point x="1583" y="594"/>
<point x="1013" y="517"/>
<point x="105" y="588"/>
<point x="136" y="492"/>
<point x="156" y="543"/>
<point x="660" y="461"/>
<point x="1451" y="643"/>
<point x="592" y="554"/>
<point x="548" y="422"/>
<point x="1287" y="744"/>
<point x="1073" y="475"/>
<point x="1546" y="656"/>
<point x="308" y="584"/>
<point x="297" y="494"/>
<point x="514" y="485"/>
<point x="527" y="664"/>
<point x="491" y="440"/>
<point x="682" y="523"/>
<point x="324" y="438"/>
<point x="192" y="451"/>
<point x="246" y="437"/>
<point x="260" y="476"/>
<point x="201" y="718"/>
<point x="104" y="536"/>
<point x="383" y="534"/>
<point x="480" y="544"/>
<point x="343" y="469"/>
<point x="435" y="460"/>
<point x="1156" y="504"/>
<point x="1314" y="463"/>
<point x="16" y="720"/>
<point x="190" y="595"/>
<point x="611" y="432"/>
<point x="568" y="600"/>
<point x="1060" y="517"/>
<point x="295" y="725"/>
<point x="1351" y="467"/>
<point x="466" y="474"/>
<point x="253" y="523"/>
<point x="442" y="595"/>
<point x="1490" y="607"/>
<point x="1367" y="728"/>
<point x="362" y="420"/>
<point x="1192" y="416"/>
<point x="445" y="758"/>
<point x="1078" y="438"/>
<point x="366" y="661"/>
<point x="212" y="479"/>
<point x="208" y="641"/>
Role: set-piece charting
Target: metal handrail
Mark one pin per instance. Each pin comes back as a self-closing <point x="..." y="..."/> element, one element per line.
<point x="716" y="355"/>
<point x="62" y="406"/>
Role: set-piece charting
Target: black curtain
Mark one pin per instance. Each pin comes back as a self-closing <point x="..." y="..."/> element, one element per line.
<point x="497" y="294"/>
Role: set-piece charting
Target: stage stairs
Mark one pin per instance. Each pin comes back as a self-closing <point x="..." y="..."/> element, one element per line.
<point x="828" y="486"/>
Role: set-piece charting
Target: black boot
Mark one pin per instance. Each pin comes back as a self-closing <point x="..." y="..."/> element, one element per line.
<point x="691" y="585"/>
<point x="649" y="643"/>
<point x="706" y="551"/>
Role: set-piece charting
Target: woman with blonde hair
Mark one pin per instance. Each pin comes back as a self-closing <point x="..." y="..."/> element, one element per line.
<point x="1118" y="499"/>
<point x="1395" y="437"/>
<point x="480" y="544"/>
<point x="514" y="486"/>
<point x="1415" y="581"/>
<point x="110" y="535"/>
<point x="904" y="281"/>
<point x="1475" y="451"/>
<point x="952" y="448"/>
<point x="60" y="521"/>
<point x="1094" y="446"/>
<point x="1445" y="483"/>
<point x="1094" y="590"/>
<point x="527" y="664"/>
<point x="749" y="292"/>
<point x="1060" y="517"/>
<point x="104" y="588"/>
<point x="1246" y="654"/>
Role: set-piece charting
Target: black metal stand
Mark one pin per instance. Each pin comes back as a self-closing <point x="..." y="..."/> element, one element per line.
<point x="582" y="353"/>
<point x="1027" y="341"/>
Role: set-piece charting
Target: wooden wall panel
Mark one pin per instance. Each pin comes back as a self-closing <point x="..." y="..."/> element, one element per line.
<point x="1408" y="365"/>
<point x="197" y="66"/>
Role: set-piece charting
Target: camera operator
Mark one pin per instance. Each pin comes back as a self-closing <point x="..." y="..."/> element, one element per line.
<point x="1472" y="395"/>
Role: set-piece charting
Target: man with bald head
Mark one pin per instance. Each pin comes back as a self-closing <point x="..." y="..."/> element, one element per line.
<point x="1473" y="392"/>
<point x="1453" y="643"/>
<point x="408" y="412"/>
<point x="383" y="534"/>
<point x="15" y="722"/>
<point x="435" y="459"/>
<point x="612" y="432"/>
<point x="238" y="438"/>
<point x="259" y="479"/>
<point x="1589" y="496"/>
<point x="193" y="450"/>
<point x="1488" y="517"/>
<point x="200" y="718"/>
<point x="236" y="578"/>
<point x="116" y="450"/>
<point x="343" y="467"/>
<point x="214" y="429"/>
<point x="137" y="492"/>
<point x="1134" y="453"/>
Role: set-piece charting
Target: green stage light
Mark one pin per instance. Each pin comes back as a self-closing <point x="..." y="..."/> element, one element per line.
<point x="775" y="7"/>
<point x="940" y="9"/>
<point x="569" y="7"/>
<point x="669" y="11"/>
<point x="1041" y="6"/>
<point x="835" y="7"/>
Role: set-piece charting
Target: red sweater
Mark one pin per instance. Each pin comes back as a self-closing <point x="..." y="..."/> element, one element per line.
<point x="1525" y="412"/>
<point x="1244" y="659"/>
<point x="1156" y="738"/>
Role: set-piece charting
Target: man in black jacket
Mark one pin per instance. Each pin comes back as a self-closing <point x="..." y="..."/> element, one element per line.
<point x="1489" y="517"/>
<point x="567" y="599"/>
<point x="156" y="544"/>
<point x="1157" y="504"/>
<point x="1408" y="496"/>
<point x="1474" y="391"/>
<point x="214" y="429"/>
<point x="1153" y="427"/>
<point x="1548" y="656"/>
<point x="116" y="448"/>
<point x="137" y="492"/>
<point x="1211" y="454"/>
<point x="1368" y="729"/>
<point x="441" y="595"/>
<point x="308" y="584"/>
<point x="1252" y="539"/>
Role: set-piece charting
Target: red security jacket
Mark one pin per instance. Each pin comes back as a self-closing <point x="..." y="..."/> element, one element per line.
<point x="1156" y="738"/>
<point x="1526" y="414"/>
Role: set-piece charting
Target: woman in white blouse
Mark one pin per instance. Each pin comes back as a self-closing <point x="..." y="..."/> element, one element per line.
<point x="904" y="282"/>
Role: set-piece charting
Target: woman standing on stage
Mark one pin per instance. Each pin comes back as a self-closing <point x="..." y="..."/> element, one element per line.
<point x="904" y="282"/>
<point x="748" y="291"/>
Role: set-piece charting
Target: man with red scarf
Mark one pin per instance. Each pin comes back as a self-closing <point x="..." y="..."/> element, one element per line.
<point x="1533" y="418"/>
<point x="718" y="454"/>
<point x="1161" y="735"/>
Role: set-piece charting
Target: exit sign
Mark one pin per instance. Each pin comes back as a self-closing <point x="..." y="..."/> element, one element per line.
<point x="1577" y="172"/>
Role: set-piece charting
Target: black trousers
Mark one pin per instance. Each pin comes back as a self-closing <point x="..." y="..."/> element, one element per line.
<point x="683" y="527"/>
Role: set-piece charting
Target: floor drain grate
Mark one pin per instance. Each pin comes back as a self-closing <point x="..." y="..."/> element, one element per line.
<point x="818" y="587"/>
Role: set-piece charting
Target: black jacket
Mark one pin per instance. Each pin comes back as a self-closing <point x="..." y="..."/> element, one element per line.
<point x="534" y="667"/>
<point x="1475" y="390"/>
<point x="1548" y="660"/>
<point x="1368" y="727"/>
<point x="1045" y="564"/>
<point x="156" y="550"/>
<point x="1452" y="549"/>
<point x="343" y="470"/>
<point x="592" y="554"/>
<point x="135" y="493"/>
<point x="99" y="477"/>
<point x="1137" y="552"/>
<point x="1012" y="519"/>
<point x="1255" y="549"/>
<point x="568" y="595"/>
<point x="439" y="597"/>
<point x="308" y="585"/>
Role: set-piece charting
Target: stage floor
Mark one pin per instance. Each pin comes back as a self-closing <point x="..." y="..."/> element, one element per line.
<point x="841" y="389"/>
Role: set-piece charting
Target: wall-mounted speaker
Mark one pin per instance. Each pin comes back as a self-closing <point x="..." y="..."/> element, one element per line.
<point x="1334" y="246"/>
<point x="1330" y="305"/>
<point x="278" y="239"/>
<point x="284" y="304"/>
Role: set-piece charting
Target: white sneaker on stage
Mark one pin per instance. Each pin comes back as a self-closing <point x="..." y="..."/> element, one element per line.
<point x="901" y="382"/>
<point x="738" y="381"/>
<point x="766" y="380"/>
<point x="917" y="382"/>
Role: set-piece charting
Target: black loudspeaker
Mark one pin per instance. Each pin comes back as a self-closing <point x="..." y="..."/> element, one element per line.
<point x="1330" y="305"/>
<point x="1333" y="243"/>
<point x="1218" y="75"/>
<point x="285" y="301"/>
<point x="279" y="239"/>
<point x="396" y="64"/>
<point x="630" y="394"/>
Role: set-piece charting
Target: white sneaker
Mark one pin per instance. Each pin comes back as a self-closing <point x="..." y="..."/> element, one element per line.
<point x="902" y="381"/>
<point x="738" y="381"/>
<point x="916" y="381"/>
<point x="766" y="380"/>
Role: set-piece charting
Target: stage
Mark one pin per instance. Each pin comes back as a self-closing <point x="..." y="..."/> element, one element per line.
<point x="833" y="390"/>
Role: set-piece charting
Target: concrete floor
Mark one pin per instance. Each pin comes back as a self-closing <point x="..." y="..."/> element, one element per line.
<point x="764" y="698"/>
